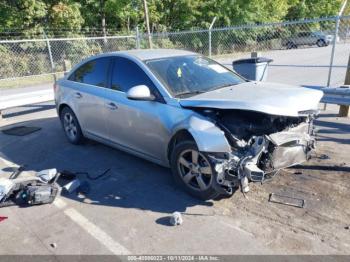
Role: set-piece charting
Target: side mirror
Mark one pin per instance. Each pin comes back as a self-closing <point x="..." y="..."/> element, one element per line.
<point x="140" y="92"/>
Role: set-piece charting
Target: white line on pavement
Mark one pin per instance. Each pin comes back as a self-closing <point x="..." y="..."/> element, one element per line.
<point x="96" y="232"/>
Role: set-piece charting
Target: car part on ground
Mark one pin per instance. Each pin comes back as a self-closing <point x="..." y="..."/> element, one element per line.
<point x="176" y="219"/>
<point x="286" y="200"/>
<point x="33" y="190"/>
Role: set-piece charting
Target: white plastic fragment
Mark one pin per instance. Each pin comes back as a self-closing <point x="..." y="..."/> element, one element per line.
<point x="47" y="174"/>
<point x="5" y="187"/>
<point x="176" y="219"/>
<point x="72" y="185"/>
<point x="244" y="184"/>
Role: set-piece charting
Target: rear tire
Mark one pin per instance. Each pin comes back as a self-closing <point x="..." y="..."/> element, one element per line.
<point x="71" y="126"/>
<point x="193" y="171"/>
<point x="291" y="45"/>
<point x="321" y="43"/>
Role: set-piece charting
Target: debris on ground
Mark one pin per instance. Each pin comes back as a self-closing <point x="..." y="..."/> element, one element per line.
<point x="47" y="174"/>
<point x="347" y="227"/>
<point x="17" y="172"/>
<point x="286" y="200"/>
<point x="84" y="188"/>
<point x="3" y="218"/>
<point x="323" y="157"/>
<point x="75" y="185"/>
<point x="298" y="173"/>
<point x="72" y="186"/>
<point x="30" y="190"/>
<point x="176" y="219"/>
<point x="72" y="175"/>
<point x="21" y="130"/>
<point x="53" y="245"/>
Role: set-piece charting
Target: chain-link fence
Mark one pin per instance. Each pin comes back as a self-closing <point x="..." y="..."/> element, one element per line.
<point x="307" y="52"/>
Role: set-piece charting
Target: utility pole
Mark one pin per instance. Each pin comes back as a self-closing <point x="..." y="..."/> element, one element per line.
<point x="103" y="19"/>
<point x="147" y="23"/>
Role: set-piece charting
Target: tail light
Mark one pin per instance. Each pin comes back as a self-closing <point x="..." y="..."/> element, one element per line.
<point x="55" y="87"/>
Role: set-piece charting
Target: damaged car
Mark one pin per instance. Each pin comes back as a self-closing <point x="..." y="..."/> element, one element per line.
<point x="216" y="130"/>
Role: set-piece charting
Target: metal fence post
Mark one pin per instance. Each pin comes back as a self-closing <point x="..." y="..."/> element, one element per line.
<point x="209" y="32"/>
<point x="137" y="38"/>
<point x="50" y="56"/>
<point x="209" y="44"/>
<point x="333" y="50"/>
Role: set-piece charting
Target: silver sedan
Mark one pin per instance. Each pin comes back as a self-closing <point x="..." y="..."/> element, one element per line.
<point x="214" y="129"/>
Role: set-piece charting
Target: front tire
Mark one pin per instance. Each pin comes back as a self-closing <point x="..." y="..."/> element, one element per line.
<point x="193" y="171"/>
<point x="71" y="126"/>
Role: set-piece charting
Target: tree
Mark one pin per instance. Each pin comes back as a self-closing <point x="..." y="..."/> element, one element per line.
<point x="65" y="15"/>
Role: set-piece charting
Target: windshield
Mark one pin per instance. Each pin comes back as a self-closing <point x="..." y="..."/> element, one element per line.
<point x="189" y="75"/>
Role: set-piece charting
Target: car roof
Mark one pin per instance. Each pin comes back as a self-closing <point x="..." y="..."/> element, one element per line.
<point x="148" y="54"/>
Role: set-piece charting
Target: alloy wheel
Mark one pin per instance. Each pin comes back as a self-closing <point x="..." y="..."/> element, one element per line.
<point x="70" y="126"/>
<point x="195" y="170"/>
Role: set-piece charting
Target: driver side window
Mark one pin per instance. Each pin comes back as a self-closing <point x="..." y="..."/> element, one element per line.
<point x="127" y="74"/>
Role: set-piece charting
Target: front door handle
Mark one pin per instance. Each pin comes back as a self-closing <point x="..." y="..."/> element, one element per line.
<point x="112" y="106"/>
<point x="78" y="95"/>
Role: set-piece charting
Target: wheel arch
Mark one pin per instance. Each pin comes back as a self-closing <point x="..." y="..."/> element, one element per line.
<point x="61" y="107"/>
<point x="208" y="137"/>
<point x="64" y="105"/>
<point x="180" y="135"/>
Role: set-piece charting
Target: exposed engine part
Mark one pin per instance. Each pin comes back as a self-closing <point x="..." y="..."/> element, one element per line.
<point x="32" y="190"/>
<point x="261" y="145"/>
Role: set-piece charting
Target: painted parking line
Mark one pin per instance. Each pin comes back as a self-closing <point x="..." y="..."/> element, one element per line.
<point x="96" y="232"/>
<point x="92" y="229"/>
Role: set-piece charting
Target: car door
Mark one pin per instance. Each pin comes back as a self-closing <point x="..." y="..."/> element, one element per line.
<point x="300" y="39"/>
<point x="135" y="125"/>
<point x="309" y="39"/>
<point x="89" y="83"/>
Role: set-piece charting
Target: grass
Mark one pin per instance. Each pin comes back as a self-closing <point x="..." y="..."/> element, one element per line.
<point x="28" y="81"/>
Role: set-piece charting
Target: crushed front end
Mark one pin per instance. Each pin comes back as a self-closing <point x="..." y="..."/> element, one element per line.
<point x="261" y="145"/>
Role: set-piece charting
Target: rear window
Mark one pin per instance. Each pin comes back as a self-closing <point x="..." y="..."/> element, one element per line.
<point x="93" y="72"/>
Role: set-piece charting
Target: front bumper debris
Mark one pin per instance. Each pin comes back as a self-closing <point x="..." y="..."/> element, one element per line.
<point x="264" y="156"/>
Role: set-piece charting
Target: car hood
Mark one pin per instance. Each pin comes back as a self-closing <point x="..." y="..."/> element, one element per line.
<point x="269" y="98"/>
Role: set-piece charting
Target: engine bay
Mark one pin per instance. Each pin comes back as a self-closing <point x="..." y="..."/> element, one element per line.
<point x="261" y="145"/>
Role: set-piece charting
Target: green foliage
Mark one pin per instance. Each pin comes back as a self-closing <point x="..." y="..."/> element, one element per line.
<point x="32" y="17"/>
<point x="165" y="15"/>
<point x="66" y="15"/>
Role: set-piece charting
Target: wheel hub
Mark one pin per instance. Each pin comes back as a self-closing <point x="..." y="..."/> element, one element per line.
<point x="195" y="170"/>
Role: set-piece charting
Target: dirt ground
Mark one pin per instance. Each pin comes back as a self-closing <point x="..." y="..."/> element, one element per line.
<point x="324" y="184"/>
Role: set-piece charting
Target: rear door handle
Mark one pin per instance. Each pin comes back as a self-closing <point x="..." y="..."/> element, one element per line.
<point x="78" y="95"/>
<point x="112" y="106"/>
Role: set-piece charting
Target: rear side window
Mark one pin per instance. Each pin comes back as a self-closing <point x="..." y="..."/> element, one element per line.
<point x="93" y="72"/>
<point x="127" y="74"/>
